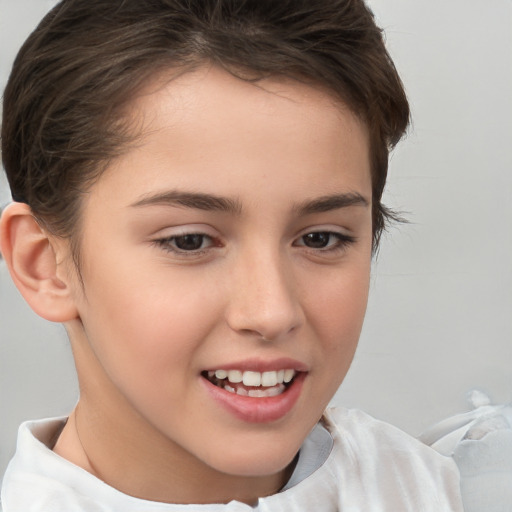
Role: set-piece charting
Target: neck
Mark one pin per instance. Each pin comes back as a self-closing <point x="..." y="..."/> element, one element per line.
<point x="168" y="475"/>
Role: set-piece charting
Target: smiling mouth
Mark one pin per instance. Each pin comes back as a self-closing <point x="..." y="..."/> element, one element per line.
<point x="251" y="384"/>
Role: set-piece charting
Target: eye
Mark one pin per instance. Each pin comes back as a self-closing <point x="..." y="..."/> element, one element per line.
<point x="186" y="243"/>
<point x="319" y="240"/>
<point x="192" y="242"/>
<point x="325" y="240"/>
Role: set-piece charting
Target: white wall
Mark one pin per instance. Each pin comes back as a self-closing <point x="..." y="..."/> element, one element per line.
<point x="440" y="316"/>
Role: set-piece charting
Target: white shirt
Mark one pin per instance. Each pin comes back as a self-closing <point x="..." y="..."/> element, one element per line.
<point x="358" y="464"/>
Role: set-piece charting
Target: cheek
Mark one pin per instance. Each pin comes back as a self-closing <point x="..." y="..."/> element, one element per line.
<point x="142" y="324"/>
<point x="147" y="340"/>
<point x="339" y="304"/>
<point x="337" y="316"/>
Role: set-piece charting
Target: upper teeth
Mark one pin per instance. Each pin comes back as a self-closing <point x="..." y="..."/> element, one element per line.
<point x="250" y="378"/>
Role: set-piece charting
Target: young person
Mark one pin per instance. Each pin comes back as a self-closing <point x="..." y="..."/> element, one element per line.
<point x="197" y="196"/>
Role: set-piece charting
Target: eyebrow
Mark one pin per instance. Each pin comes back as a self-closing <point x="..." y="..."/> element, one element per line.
<point x="331" y="202"/>
<point x="210" y="202"/>
<point x="199" y="201"/>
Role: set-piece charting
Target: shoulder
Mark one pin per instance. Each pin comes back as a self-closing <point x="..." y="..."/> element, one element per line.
<point x="383" y="460"/>
<point x="39" y="480"/>
<point x="355" y="426"/>
<point x="362" y="434"/>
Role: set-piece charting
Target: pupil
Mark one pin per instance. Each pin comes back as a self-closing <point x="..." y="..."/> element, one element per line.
<point x="189" y="242"/>
<point x="316" y="240"/>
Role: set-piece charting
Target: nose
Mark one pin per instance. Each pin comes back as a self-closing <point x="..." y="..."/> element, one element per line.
<point x="264" y="301"/>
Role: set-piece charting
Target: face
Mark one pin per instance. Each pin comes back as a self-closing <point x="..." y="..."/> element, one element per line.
<point x="226" y="261"/>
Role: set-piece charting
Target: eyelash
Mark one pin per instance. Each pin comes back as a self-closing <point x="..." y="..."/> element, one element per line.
<point x="342" y="242"/>
<point x="168" y="244"/>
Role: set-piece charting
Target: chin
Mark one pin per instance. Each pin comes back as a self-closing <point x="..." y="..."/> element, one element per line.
<point x="253" y="463"/>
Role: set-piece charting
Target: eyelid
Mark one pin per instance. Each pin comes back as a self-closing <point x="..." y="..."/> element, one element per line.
<point x="326" y="228"/>
<point x="185" y="229"/>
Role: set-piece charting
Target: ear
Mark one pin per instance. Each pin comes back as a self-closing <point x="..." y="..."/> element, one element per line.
<point x="33" y="265"/>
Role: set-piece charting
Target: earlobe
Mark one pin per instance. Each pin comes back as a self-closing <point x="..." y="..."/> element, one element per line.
<point x="33" y="265"/>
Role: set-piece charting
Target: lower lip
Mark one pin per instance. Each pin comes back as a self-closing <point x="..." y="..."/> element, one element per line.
<point x="258" y="410"/>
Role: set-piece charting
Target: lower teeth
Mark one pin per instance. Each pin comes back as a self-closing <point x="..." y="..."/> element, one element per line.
<point x="256" y="393"/>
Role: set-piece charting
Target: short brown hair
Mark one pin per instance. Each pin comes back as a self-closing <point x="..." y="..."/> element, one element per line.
<point x="63" y="105"/>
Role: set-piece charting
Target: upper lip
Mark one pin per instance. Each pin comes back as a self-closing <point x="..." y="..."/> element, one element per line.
<point x="261" y="365"/>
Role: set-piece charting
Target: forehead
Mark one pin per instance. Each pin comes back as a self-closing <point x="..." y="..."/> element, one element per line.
<point x="217" y="92"/>
<point x="207" y="124"/>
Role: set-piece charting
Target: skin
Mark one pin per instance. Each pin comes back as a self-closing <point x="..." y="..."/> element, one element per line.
<point x="150" y="318"/>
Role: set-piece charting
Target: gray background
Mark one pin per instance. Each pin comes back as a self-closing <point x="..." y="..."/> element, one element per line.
<point x="439" y="321"/>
